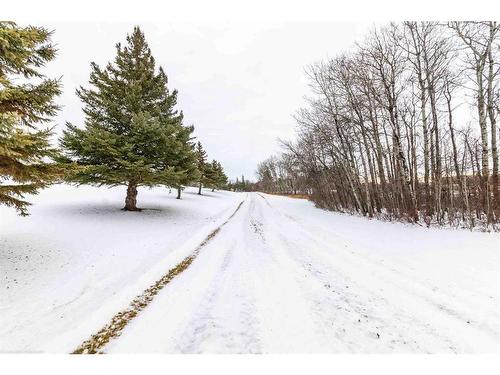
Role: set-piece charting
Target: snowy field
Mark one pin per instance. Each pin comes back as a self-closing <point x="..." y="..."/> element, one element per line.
<point x="281" y="276"/>
<point x="78" y="258"/>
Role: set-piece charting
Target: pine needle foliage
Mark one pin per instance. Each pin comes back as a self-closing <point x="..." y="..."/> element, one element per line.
<point x="132" y="135"/>
<point x="26" y="102"/>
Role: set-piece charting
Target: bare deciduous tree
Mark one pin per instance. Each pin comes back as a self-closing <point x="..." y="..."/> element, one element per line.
<point x="380" y="134"/>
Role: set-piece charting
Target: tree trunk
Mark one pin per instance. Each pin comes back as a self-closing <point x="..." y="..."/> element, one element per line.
<point x="484" y="143"/>
<point x="179" y="189"/>
<point x="492" y="117"/>
<point x="425" y="128"/>
<point x="131" y="199"/>
<point x="199" y="189"/>
<point x="437" y="153"/>
<point x="448" y="96"/>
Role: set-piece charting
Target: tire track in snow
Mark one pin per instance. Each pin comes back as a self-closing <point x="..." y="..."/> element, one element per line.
<point x="342" y="313"/>
<point x="352" y="318"/>
<point x="212" y="326"/>
<point x="114" y="328"/>
<point x="241" y="295"/>
<point x="402" y="272"/>
<point x="210" y="308"/>
<point x="398" y="328"/>
<point x="215" y="328"/>
<point x="285" y="313"/>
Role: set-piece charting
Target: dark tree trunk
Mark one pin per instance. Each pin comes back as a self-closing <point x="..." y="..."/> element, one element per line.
<point x="131" y="199"/>
<point x="179" y="192"/>
<point x="199" y="189"/>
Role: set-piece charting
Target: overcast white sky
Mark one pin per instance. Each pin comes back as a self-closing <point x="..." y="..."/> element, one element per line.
<point x="239" y="83"/>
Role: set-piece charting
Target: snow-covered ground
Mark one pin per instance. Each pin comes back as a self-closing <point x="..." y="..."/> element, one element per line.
<point x="78" y="259"/>
<point x="280" y="276"/>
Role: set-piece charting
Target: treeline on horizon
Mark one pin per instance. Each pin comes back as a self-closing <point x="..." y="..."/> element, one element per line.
<point x="381" y="135"/>
<point x="132" y="135"/>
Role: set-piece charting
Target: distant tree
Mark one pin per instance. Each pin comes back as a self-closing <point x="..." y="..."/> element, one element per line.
<point x="132" y="136"/>
<point x="201" y="159"/>
<point x="222" y="179"/>
<point x="187" y="162"/>
<point x="235" y="185"/>
<point x="242" y="185"/>
<point x="26" y="100"/>
<point x="216" y="176"/>
<point x="209" y="176"/>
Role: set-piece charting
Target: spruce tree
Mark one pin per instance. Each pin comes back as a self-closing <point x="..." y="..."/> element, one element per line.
<point x="222" y="179"/>
<point x="186" y="161"/>
<point x="132" y="135"/>
<point x="201" y="158"/>
<point x="216" y="176"/>
<point x="26" y="101"/>
<point x="210" y="176"/>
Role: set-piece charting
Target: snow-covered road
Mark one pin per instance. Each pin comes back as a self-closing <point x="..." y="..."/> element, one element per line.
<point x="279" y="276"/>
<point x="283" y="276"/>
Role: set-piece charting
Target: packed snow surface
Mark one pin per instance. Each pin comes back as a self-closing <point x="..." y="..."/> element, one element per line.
<point x="281" y="276"/>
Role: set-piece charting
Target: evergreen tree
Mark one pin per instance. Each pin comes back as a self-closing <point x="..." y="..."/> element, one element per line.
<point x="218" y="177"/>
<point x="211" y="175"/>
<point x="26" y="100"/>
<point x="132" y="136"/>
<point x="223" y="180"/>
<point x="201" y="158"/>
<point x="187" y="161"/>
